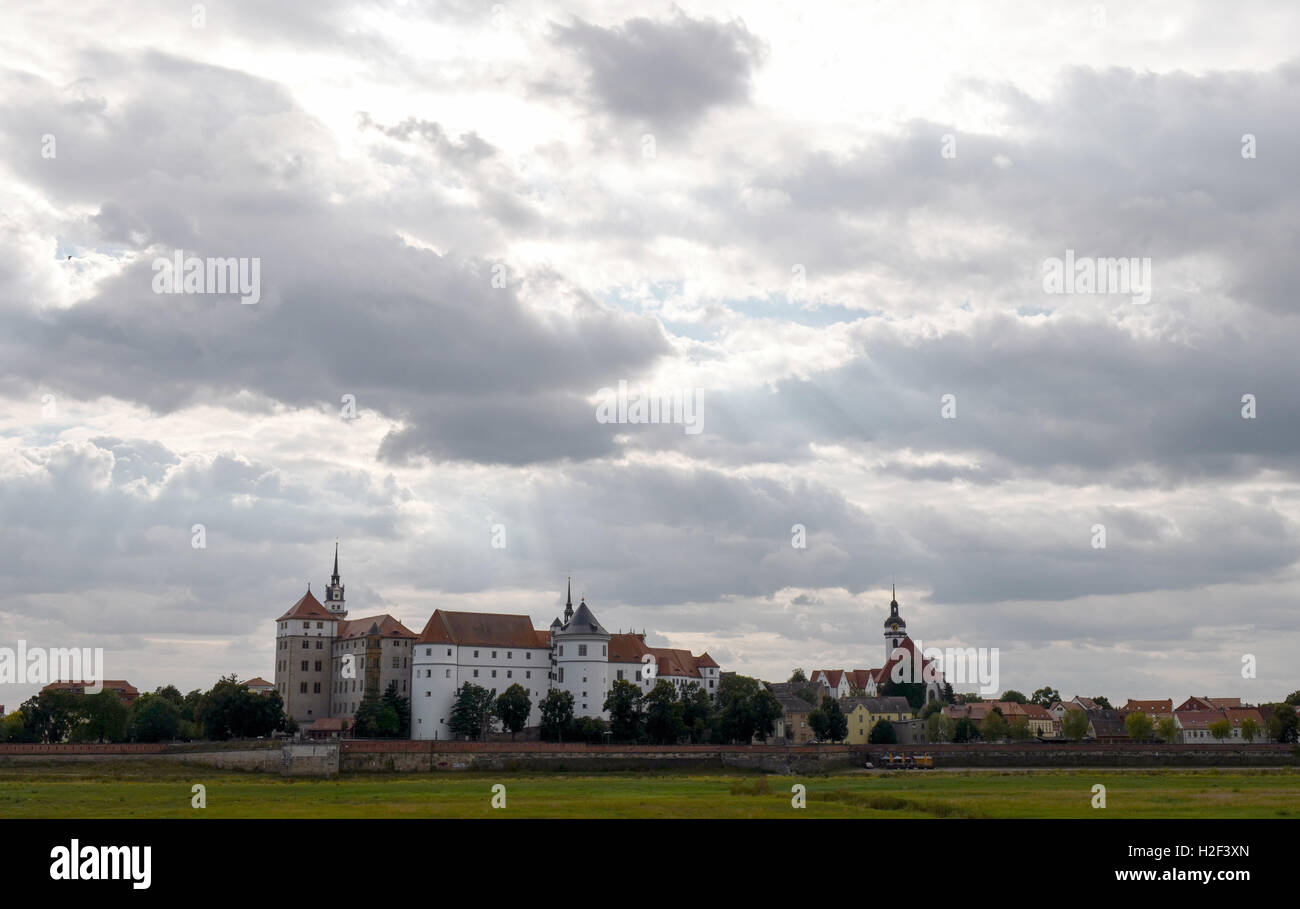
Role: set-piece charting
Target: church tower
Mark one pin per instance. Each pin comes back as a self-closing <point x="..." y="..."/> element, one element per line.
<point x="895" y="627"/>
<point x="334" y="592"/>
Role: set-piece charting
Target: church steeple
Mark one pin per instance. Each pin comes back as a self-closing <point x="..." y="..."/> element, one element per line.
<point x="334" y="592"/>
<point x="568" y="604"/>
<point x="895" y="627"/>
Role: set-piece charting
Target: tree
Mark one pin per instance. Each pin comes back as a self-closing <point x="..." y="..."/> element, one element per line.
<point x="1102" y="702"/>
<point x="512" y="709"/>
<point x="1220" y="730"/>
<point x="1139" y="726"/>
<point x="626" y="715"/>
<point x="1167" y="729"/>
<point x="1293" y="698"/>
<point x="591" y="729"/>
<point x="375" y="718"/>
<point x="1249" y="729"/>
<point x="104" y="718"/>
<point x="401" y="706"/>
<point x="697" y="713"/>
<point x="969" y="698"/>
<point x="665" y="714"/>
<point x="965" y="731"/>
<point x="52" y="715"/>
<point x="931" y="708"/>
<point x="1283" y="723"/>
<point x="1018" y="729"/>
<point x="746" y="710"/>
<point x="155" y="717"/>
<point x="939" y="728"/>
<point x="170" y="693"/>
<point x="1045" y="696"/>
<point x="557" y="714"/>
<point x="229" y="710"/>
<point x="994" y="727"/>
<point x="883" y="733"/>
<point x="13" y="728"/>
<point x="1015" y="697"/>
<point x="828" y="721"/>
<point x="1074" y="725"/>
<point x="471" y="712"/>
<point x="797" y="677"/>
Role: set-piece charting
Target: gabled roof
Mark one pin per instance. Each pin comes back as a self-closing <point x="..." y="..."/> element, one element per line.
<point x="483" y="628"/>
<point x="832" y="676"/>
<point x="308" y="608"/>
<point x="1197" y="719"/>
<point x="257" y="682"/>
<point x="387" y="626"/>
<point x="627" y="648"/>
<point x="891" y="704"/>
<point x="1165" y="706"/>
<point x="1109" y="723"/>
<point x="705" y="661"/>
<point x="119" y="685"/>
<point x="859" y="678"/>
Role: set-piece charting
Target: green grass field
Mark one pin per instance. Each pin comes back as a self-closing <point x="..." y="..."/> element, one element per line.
<point x="53" y="790"/>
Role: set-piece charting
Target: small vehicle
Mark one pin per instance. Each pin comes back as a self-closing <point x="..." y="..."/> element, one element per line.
<point x="924" y="762"/>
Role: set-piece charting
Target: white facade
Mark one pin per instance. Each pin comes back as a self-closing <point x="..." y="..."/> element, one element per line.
<point x="439" y="669"/>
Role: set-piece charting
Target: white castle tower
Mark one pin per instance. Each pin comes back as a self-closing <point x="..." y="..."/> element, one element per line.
<point x="334" y="592"/>
<point x="580" y="649"/>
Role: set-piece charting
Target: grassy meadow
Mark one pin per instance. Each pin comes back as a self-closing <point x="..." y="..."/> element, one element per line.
<point x="158" y="789"/>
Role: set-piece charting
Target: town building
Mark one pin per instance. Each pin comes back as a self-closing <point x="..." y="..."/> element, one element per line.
<point x="122" y="688"/>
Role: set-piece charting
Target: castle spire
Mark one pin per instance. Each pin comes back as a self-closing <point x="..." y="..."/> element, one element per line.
<point x="335" y="577"/>
<point x="568" y="603"/>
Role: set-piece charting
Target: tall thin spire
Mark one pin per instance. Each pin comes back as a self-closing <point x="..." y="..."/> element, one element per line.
<point x="335" y="577"/>
<point x="568" y="603"/>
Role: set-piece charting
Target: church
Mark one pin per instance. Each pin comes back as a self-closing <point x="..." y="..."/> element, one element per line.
<point x="326" y="663"/>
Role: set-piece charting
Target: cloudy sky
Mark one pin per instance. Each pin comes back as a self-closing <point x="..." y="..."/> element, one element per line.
<point x="822" y="219"/>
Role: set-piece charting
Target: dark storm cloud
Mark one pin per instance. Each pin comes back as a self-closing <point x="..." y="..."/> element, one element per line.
<point x="666" y="74"/>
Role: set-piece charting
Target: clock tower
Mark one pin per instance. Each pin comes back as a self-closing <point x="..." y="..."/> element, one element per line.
<point x="895" y="627"/>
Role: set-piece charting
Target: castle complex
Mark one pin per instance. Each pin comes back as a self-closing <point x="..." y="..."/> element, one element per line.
<point x="326" y="663"/>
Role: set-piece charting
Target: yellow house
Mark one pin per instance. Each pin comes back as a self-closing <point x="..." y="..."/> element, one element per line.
<point x="864" y="713"/>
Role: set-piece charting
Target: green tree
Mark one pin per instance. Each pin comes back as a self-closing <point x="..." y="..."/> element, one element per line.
<point x="471" y="712"/>
<point x="697" y="713"/>
<point x="1045" y="696"/>
<point x="512" y="708"/>
<point x="939" y="728"/>
<point x="1074" y="724"/>
<point x="1018" y="729"/>
<point x="1249" y="729"/>
<point x="746" y="710"/>
<point x="591" y="729"/>
<point x="401" y="706"/>
<point x="1220" y="730"/>
<point x="914" y="692"/>
<point x="1102" y="702"/>
<point x="155" y="718"/>
<point x="1014" y="697"/>
<point x="229" y="710"/>
<point x="190" y="705"/>
<point x="965" y="731"/>
<point x="1167" y="729"/>
<point x="1293" y="698"/>
<point x="51" y="715"/>
<point x="104" y="719"/>
<point x="557" y="714"/>
<point x="1283" y="723"/>
<point x="1139" y="726"/>
<point x="375" y="718"/>
<point x="931" y="708"/>
<point x="665" y="714"/>
<point x="828" y="721"/>
<point x="170" y="693"/>
<point x="626" y="713"/>
<point x="883" y="733"/>
<point x="994" y="726"/>
<point x="797" y="677"/>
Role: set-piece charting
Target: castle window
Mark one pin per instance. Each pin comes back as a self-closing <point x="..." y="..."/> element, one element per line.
<point x="604" y="650"/>
<point x="582" y="650"/>
<point x="304" y="665"/>
<point x="528" y="655"/>
<point x="448" y="651"/>
<point x="475" y="673"/>
<point x="302" y="687"/>
<point x="448" y="673"/>
<point x="510" y="654"/>
<point x="318" y="665"/>
<point x="494" y="654"/>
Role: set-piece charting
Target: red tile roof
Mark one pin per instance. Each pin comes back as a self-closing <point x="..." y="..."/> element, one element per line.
<point x="706" y="661"/>
<point x="389" y="627"/>
<point x="121" y="686"/>
<point x="1165" y="706"/>
<point x="308" y="608"/>
<point x="257" y="682"/>
<point x="484" y="628"/>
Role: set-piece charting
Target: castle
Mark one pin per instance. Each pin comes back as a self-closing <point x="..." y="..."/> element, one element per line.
<point x="326" y="663"/>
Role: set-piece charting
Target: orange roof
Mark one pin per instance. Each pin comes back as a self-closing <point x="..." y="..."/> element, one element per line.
<point x="389" y="627"/>
<point x="706" y="661"/>
<point x="485" y="628"/>
<point x="1237" y="714"/>
<point x="308" y="608"/>
<point x="627" y="648"/>
<point x="119" y="685"/>
<point x="1165" y="706"/>
<point x="673" y="662"/>
<point x="258" y="682"/>
<point x="832" y="676"/>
